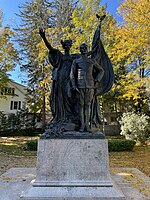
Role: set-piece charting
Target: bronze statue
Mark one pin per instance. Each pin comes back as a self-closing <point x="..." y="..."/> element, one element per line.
<point x="84" y="82"/>
<point x="75" y="100"/>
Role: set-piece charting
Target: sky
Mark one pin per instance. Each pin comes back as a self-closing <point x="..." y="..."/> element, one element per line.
<point x="10" y="7"/>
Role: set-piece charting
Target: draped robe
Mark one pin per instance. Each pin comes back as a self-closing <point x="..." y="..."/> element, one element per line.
<point x="60" y="100"/>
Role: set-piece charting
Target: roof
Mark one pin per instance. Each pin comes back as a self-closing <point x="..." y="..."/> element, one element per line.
<point x="16" y="83"/>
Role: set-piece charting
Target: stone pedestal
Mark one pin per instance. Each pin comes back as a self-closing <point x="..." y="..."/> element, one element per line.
<point x="73" y="169"/>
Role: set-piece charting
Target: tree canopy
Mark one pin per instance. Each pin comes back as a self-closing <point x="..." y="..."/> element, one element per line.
<point x="8" y="53"/>
<point x="127" y="45"/>
<point x="130" y="52"/>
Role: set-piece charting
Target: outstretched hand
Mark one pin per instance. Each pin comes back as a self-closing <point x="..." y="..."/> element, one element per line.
<point x="101" y="18"/>
<point x="41" y="32"/>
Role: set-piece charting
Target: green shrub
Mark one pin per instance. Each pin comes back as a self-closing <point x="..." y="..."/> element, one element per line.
<point x="18" y="124"/>
<point x="113" y="145"/>
<point x="111" y="137"/>
<point x="29" y="132"/>
<point x="31" y="145"/>
<point x="121" y="145"/>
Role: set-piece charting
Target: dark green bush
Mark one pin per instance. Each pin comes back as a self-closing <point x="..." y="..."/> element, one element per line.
<point x="113" y="145"/>
<point x="19" y="124"/>
<point x="29" y="132"/>
<point x="24" y="132"/>
<point x="31" y="145"/>
<point x="121" y="145"/>
<point x="112" y="137"/>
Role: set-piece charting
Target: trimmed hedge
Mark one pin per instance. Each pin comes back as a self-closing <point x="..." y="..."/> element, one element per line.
<point x="121" y="145"/>
<point x="23" y="132"/>
<point x="31" y="145"/>
<point x="29" y="132"/>
<point x="113" y="145"/>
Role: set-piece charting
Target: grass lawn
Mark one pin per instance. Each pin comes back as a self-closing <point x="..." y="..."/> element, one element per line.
<point x="138" y="158"/>
<point x="12" y="154"/>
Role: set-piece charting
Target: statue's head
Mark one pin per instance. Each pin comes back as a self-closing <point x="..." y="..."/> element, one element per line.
<point x="83" y="48"/>
<point x="66" y="44"/>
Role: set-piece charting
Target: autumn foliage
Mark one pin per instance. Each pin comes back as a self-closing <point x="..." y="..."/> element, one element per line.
<point x="127" y="44"/>
<point x="8" y="53"/>
<point x="130" y="52"/>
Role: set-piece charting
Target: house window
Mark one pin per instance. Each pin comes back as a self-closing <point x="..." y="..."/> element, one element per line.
<point x="19" y="106"/>
<point x="7" y="91"/>
<point x="113" y="119"/>
<point x="2" y="91"/>
<point x="11" y="105"/>
<point x="15" y="105"/>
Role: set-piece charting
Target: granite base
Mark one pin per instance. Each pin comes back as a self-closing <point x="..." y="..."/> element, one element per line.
<point x="133" y="183"/>
<point x="69" y="169"/>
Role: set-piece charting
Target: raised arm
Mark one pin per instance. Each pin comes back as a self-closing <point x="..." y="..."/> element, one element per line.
<point x="100" y="20"/>
<point x="42" y="34"/>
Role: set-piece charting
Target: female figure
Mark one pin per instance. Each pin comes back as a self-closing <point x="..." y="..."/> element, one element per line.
<point x="61" y="102"/>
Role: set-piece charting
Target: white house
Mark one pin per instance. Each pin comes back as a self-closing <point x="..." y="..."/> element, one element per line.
<point x="15" y="97"/>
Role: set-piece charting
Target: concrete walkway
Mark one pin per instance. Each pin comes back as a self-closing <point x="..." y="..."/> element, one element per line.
<point x="133" y="183"/>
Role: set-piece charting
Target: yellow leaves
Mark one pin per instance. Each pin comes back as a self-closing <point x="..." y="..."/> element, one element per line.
<point x="132" y="38"/>
<point x="128" y="96"/>
<point x="8" y="54"/>
<point x="135" y="11"/>
<point x="85" y="23"/>
<point x="43" y="82"/>
<point x="49" y="11"/>
<point x="132" y="88"/>
<point x="49" y="30"/>
<point x="42" y="51"/>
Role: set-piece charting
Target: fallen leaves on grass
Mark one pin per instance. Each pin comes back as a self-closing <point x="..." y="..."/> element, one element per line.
<point x="138" y="158"/>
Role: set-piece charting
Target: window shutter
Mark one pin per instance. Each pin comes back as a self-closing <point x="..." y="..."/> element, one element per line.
<point x="11" y="105"/>
<point x="19" y="108"/>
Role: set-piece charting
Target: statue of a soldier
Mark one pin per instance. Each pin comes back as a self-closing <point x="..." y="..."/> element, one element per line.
<point x="84" y="82"/>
